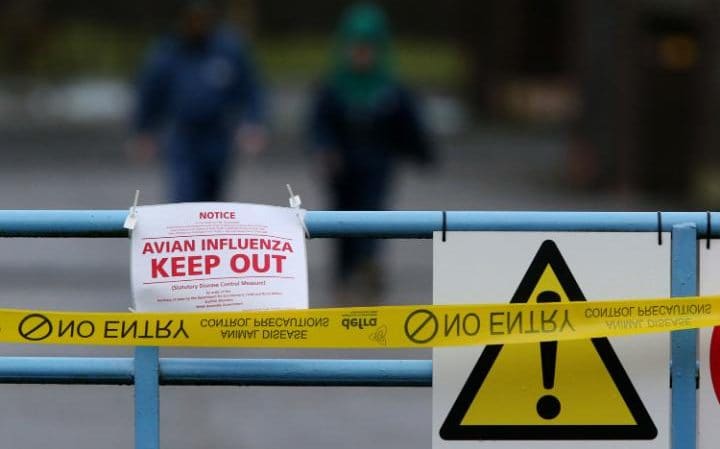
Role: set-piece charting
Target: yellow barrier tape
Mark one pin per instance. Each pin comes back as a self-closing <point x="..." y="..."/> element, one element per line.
<point x="364" y="327"/>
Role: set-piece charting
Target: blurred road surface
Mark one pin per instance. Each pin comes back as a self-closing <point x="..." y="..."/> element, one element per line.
<point x="79" y="168"/>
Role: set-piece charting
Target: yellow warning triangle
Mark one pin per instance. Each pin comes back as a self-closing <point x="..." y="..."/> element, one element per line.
<point x="553" y="390"/>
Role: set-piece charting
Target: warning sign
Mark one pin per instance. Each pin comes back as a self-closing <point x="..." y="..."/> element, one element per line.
<point x="709" y="354"/>
<point x="715" y="362"/>
<point x="557" y="407"/>
<point x="568" y="390"/>
<point x="218" y="257"/>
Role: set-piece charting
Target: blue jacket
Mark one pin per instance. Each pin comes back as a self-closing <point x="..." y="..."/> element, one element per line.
<point x="368" y="142"/>
<point x="201" y="90"/>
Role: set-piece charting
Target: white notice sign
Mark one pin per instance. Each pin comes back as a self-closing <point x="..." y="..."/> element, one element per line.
<point x="218" y="256"/>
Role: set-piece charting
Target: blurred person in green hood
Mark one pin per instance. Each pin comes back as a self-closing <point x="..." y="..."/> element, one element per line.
<point x="362" y="122"/>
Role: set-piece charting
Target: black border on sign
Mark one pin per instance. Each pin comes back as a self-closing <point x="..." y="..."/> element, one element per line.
<point x="644" y="429"/>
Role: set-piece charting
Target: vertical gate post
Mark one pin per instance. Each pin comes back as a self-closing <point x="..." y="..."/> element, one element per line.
<point x="683" y="371"/>
<point x="147" y="398"/>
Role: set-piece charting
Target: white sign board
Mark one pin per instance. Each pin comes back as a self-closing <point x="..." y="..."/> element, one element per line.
<point x="599" y="393"/>
<point x="218" y="257"/>
<point x="709" y="393"/>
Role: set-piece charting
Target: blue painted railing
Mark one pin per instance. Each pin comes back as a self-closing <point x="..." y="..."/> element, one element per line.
<point x="246" y="372"/>
<point x="391" y="224"/>
<point x="147" y="371"/>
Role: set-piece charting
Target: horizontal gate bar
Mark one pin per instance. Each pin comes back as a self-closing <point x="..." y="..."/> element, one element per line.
<point x="383" y="224"/>
<point x="198" y="371"/>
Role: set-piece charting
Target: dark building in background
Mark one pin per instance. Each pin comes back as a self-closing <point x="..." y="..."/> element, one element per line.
<point x="636" y="81"/>
<point x="647" y="74"/>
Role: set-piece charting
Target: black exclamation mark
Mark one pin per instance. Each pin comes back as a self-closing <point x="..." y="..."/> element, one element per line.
<point x="548" y="406"/>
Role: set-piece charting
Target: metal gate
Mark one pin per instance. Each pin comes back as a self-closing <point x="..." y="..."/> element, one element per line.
<point x="146" y="371"/>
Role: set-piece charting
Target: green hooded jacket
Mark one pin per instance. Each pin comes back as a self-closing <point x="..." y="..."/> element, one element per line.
<point x="362" y="24"/>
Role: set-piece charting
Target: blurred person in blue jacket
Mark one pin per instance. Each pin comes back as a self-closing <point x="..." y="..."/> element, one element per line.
<point x="363" y="120"/>
<point x="198" y="97"/>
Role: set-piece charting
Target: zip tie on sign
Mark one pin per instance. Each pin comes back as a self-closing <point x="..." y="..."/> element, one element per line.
<point x="295" y="203"/>
<point x="131" y="219"/>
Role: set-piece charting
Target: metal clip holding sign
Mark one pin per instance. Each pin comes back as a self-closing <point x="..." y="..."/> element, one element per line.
<point x="295" y="203"/>
<point x="708" y="236"/>
<point x="444" y="226"/>
<point x="131" y="219"/>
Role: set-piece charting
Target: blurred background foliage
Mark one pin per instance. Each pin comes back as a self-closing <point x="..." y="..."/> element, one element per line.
<point x="82" y="39"/>
<point x="86" y="49"/>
